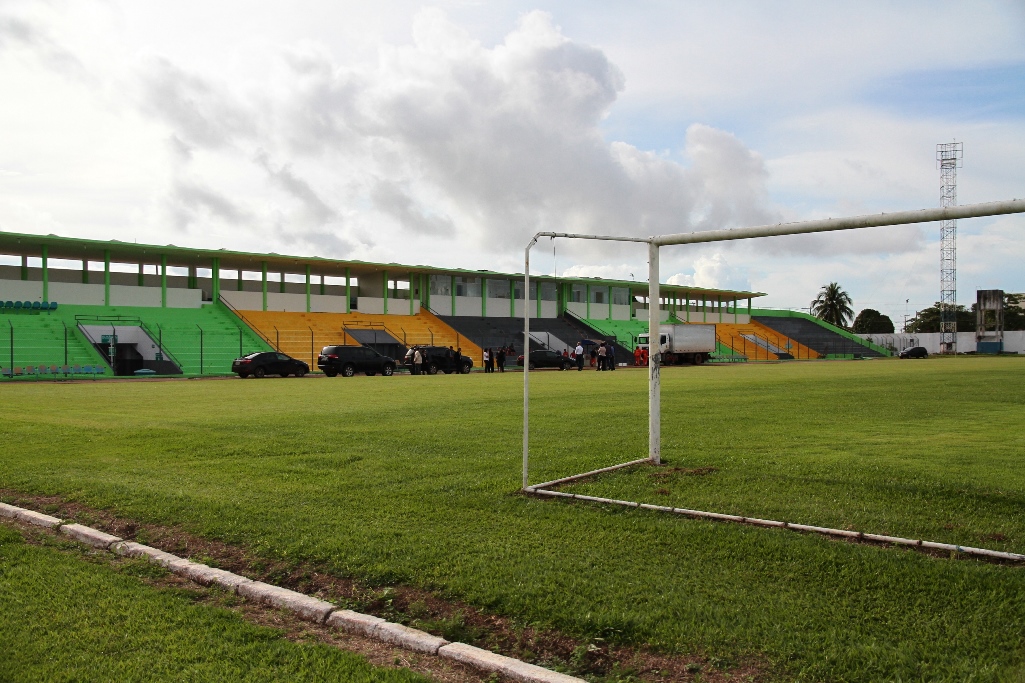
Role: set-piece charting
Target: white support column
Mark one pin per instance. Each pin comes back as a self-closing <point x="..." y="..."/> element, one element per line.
<point x="526" y="357"/>
<point x="654" y="359"/>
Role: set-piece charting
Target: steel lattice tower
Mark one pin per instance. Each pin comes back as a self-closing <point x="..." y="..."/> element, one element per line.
<point x="948" y="157"/>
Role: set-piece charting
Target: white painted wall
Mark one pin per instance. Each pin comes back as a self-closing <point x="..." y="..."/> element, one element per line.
<point x="498" y="308"/>
<point x="576" y="308"/>
<point x="244" y="301"/>
<point x="21" y="290"/>
<point x="122" y="295"/>
<point x="470" y="305"/>
<point x="370" y="304"/>
<point x="1014" y="342"/>
<point x="325" y="303"/>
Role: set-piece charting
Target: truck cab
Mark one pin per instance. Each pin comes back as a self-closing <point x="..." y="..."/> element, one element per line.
<point x="683" y="343"/>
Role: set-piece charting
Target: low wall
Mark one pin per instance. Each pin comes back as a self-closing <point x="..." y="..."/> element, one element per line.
<point x="1014" y="342"/>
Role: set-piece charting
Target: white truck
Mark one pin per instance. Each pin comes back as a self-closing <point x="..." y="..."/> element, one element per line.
<point x="683" y="343"/>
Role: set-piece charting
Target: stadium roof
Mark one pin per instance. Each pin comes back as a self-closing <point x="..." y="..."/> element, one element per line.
<point x="77" y="249"/>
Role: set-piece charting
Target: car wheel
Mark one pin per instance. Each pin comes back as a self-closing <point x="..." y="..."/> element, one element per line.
<point x="258" y="373"/>
<point x="300" y="373"/>
<point x="432" y="369"/>
<point x="466" y="368"/>
<point x="348" y="370"/>
<point x="331" y="373"/>
<point x="533" y="366"/>
<point x="388" y="370"/>
<point x="243" y="375"/>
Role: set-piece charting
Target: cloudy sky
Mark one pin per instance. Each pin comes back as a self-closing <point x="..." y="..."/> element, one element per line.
<point x="448" y="133"/>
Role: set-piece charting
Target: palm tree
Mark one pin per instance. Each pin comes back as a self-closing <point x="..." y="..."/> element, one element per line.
<point x="833" y="305"/>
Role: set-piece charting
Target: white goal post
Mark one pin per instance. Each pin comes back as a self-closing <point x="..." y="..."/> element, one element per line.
<point x="654" y="317"/>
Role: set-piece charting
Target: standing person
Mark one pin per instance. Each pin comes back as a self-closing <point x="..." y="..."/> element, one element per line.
<point x="594" y="356"/>
<point x="601" y="356"/>
<point x="450" y="359"/>
<point x="487" y="361"/>
<point x="610" y="356"/>
<point x="418" y="360"/>
<point x="637" y="356"/>
<point x="579" y="355"/>
<point x="501" y="359"/>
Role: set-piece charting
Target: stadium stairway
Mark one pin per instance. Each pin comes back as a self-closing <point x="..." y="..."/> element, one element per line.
<point x="303" y="335"/>
<point x="758" y="342"/>
<point x="180" y="331"/>
<point x="43" y="339"/>
<point x="821" y="337"/>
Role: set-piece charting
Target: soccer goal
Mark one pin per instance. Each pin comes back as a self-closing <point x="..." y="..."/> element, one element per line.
<point x="654" y="357"/>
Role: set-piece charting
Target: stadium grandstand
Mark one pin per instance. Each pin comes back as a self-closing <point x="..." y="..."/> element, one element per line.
<point x="76" y="307"/>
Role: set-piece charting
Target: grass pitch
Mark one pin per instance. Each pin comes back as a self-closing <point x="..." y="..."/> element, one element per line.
<point x="415" y="480"/>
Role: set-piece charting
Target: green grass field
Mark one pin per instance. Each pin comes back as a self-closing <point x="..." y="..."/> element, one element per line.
<point x="69" y="619"/>
<point x="414" y="480"/>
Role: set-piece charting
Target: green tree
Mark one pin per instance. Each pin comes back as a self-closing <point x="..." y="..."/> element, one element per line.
<point x="871" y="321"/>
<point x="833" y="305"/>
<point x="928" y="319"/>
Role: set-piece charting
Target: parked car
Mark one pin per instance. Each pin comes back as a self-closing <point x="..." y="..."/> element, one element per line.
<point x="914" y="352"/>
<point x="544" y="358"/>
<point x="348" y="360"/>
<point x="268" y="363"/>
<point x="441" y="358"/>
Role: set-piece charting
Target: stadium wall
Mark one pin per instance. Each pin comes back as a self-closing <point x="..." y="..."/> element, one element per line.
<point x="1014" y="342"/>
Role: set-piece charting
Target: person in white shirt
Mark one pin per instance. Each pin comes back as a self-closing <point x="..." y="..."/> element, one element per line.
<point x="579" y="353"/>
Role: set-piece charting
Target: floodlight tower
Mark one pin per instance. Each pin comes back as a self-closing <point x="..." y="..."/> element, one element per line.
<point x="948" y="157"/>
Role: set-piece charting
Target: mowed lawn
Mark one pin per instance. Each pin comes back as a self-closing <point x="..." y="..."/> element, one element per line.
<point x="415" y="480"/>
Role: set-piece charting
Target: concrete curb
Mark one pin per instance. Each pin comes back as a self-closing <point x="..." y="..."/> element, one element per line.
<point x="304" y="606"/>
<point x="89" y="536"/>
<point x="307" y="608"/>
<point x="29" y="516"/>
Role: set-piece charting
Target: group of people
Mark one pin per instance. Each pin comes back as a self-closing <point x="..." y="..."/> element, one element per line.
<point x="496" y="357"/>
<point x="602" y="356"/>
<point x="640" y="357"/>
<point x="416" y="356"/>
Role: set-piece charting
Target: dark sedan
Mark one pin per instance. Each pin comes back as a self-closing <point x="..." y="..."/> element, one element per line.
<point x="543" y="358"/>
<point x="914" y="352"/>
<point x="268" y="363"/>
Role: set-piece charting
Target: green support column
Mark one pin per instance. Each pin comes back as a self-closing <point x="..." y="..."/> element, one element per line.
<point x="307" y="289"/>
<point x="323" y="289"/>
<point x="264" y="264"/>
<point x="85" y="272"/>
<point x="385" y="276"/>
<point x="512" y="299"/>
<point x="281" y="287"/>
<point x="411" y="294"/>
<point x="106" y="277"/>
<point x="192" y="277"/>
<point x="46" y="275"/>
<point x="348" y="292"/>
<point x="630" y="301"/>
<point x="24" y="267"/>
<point x="749" y="306"/>
<point x="215" y="279"/>
<point x="239" y="280"/>
<point x="483" y="297"/>
<point x="163" y="281"/>
<point x="142" y="275"/>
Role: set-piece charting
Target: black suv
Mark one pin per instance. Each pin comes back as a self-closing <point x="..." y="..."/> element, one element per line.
<point x="441" y="358"/>
<point x="348" y="360"/>
<point x="914" y="352"/>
